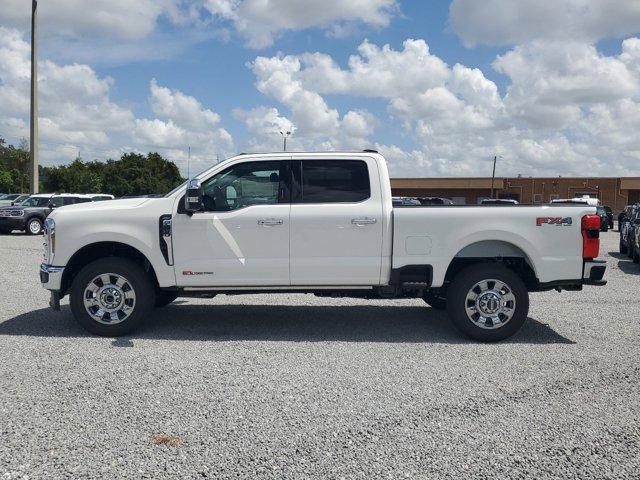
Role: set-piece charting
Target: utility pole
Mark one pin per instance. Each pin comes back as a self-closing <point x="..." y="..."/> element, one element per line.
<point x="285" y="134"/>
<point x="493" y="176"/>
<point x="33" y="118"/>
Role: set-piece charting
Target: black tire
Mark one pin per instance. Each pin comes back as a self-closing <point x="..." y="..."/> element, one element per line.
<point x="5" y="231"/>
<point x="462" y="285"/>
<point x="435" y="299"/>
<point x="636" y="256"/>
<point x="164" y="298"/>
<point x="630" y="249"/>
<point x="33" y="222"/>
<point x="137" y="279"/>
<point x="623" y="247"/>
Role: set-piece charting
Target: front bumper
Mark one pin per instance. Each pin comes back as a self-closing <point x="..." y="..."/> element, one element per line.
<point x="51" y="276"/>
<point x="15" y="223"/>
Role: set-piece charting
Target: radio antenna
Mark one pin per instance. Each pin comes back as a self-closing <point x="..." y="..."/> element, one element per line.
<point x="189" y="163"/>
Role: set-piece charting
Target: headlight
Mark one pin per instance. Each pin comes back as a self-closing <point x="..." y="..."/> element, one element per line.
<point x="50" y="238"/>
<point x="17" y="213"/>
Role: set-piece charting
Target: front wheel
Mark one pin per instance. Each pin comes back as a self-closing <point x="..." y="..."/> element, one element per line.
<point x="488" y="302"/>
<point x="636" y="255"/>
<point x="111" y="296"/>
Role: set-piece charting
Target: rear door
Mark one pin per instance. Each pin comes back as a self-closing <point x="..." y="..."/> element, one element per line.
<point x="336" y="222"/>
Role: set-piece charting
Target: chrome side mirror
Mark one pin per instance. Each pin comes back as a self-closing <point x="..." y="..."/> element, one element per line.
<point x="193" y="199"/>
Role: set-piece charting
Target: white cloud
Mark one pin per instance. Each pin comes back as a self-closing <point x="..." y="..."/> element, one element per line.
<point x="508" y="22"/>
<point x="260" y="22"/>
<point x="315" y="122"/>
<point x="552" y="81"/>
<point x="74" y="102"/>
<point x="78" y="115"/>
<point x="112" y="18"/>
<point x="568" y="108"/>
<point x="183" y="122"/>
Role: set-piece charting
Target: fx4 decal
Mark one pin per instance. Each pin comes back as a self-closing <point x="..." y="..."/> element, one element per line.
<point x="557" y="221"/>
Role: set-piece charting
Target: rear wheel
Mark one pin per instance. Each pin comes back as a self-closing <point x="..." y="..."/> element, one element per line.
<point x="34" y="226"/>
<point x="435" y="299"/>
<point x="111" y="296"/>
<point x="636" y="255"/>
<point x="488" y="302"/>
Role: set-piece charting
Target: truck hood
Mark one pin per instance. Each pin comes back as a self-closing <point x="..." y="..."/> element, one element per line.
<point x="105" y="205"/>
<point x="15" y="207"/>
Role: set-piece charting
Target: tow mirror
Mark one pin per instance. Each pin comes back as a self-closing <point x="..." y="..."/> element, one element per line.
<point x="51" y="205"/>
<point x="193" y="198"/>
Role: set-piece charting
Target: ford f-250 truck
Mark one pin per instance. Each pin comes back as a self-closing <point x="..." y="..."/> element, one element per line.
<point x="319" y="223"/>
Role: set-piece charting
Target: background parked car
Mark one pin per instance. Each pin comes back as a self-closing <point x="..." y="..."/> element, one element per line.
<point x="30" y="214"/>
<point x="609" y="216"/>
<point x="499" y="201"/>
<point x="632" y="226"/>
<point x="405" y="202"/>
<point x="9" y="198"/>
<point x="627" y="230"/>
<point x="434" y="201"/>
<point x="635" y="254"/>
<point x="604" y="218"/>
<point x="99" y="197"/>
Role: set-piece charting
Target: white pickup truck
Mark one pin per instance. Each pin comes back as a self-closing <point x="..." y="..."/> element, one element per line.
<point x="317" y="223"/>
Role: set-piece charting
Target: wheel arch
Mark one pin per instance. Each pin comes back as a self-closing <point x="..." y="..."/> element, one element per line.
<point x="500" y="251"/>
<point x="97" y="250"/>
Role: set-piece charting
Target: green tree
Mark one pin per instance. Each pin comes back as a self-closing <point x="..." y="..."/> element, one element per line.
<point x="135" y="174"/>
<point x="15" y="161"/>
<point x="132" y="174"/>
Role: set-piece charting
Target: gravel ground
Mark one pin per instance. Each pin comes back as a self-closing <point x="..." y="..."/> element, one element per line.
<point x="291" y="386"/>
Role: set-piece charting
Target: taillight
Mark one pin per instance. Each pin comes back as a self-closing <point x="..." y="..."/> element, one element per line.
<point x="590" y="236"/>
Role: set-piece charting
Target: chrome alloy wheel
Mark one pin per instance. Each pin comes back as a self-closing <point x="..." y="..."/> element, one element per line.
<point x="490" y="304"/>
<point x="109" y="298"/>
<point x="34" y="227"/>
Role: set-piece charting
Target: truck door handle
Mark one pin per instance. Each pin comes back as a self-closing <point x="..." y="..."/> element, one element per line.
<point x="270" y="222"/>
<point x="363" y="221"/>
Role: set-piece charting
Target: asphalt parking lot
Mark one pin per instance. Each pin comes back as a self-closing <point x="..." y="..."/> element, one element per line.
<point x="293" y="386"/>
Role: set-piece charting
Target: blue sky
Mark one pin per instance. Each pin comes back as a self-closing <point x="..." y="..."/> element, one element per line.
<point x="552" y="86"/>
<point x="215" y="71"/>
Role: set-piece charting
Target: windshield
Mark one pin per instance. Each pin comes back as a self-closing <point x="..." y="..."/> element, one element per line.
<point x="196" y="176"/>
<point x="9" y="196"/>
<point x="35" y="202"/>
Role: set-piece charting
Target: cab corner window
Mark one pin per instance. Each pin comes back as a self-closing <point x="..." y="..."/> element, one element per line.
<point x="246" y="184"/>
<point x="334" y="181"/>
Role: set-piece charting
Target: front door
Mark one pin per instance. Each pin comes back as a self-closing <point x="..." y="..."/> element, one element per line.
<point x="242" y="237"/>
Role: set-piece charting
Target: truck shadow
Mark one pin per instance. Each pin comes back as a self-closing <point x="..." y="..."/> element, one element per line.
<point x="280" y="323"/>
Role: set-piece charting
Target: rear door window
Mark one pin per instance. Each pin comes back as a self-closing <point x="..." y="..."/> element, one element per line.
<point x="334" y="181"/>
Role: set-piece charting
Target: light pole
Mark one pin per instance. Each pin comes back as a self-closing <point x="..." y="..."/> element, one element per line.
<point x="285" y="135"/>
<point x="33" y="117"/>
<point x="493" y="176"/>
